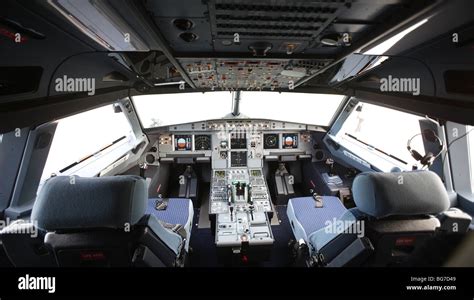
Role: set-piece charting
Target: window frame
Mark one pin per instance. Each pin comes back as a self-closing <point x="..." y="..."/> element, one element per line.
<point x="459" y="153"/>
<point x="377" y="160"/>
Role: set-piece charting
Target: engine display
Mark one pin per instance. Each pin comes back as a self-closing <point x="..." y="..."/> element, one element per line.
<point x="183" y="143"/>
<point x="238" y="141"/>
<point x="290" y="141"/>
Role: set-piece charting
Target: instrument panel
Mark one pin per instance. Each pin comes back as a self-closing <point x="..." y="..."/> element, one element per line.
<point x="233" y="143"/>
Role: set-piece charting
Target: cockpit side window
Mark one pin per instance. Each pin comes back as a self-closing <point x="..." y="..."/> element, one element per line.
<point x="383" y="132"/>
<point x="82" y="137"/>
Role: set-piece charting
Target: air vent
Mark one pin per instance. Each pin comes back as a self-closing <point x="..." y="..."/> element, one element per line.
<point x="299" y="20"/>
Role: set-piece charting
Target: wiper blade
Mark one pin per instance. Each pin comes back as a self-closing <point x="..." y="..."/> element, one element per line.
<point x="90" y="155"/>
<point x="377" y="149"/>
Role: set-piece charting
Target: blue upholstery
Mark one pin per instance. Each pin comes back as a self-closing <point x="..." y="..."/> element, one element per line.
<point x="404" y="193"/>
<point x="313" y="218"/>
<point x="309" y="222"/>
<point x="319" y="238"/>
<point x="108" y="202"/>
<point x="179" y="211"/>
<point x="170" y="238"/>
<point x="99" y="202"/>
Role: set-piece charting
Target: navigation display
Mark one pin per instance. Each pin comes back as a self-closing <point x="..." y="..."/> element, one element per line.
<point x="290" y="141"/>
<point x="183" y="143"/>
<point x="270" y="141"/>
<point x="202" y="142"/>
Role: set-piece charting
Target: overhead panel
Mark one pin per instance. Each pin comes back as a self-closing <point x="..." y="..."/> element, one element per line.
<point x="248" y="74"/>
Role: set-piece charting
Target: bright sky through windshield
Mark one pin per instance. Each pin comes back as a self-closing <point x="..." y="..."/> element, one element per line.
<point x="166" y="109"/>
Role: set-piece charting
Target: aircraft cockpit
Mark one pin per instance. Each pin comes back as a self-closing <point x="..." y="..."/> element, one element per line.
<point x="225" y="133"/>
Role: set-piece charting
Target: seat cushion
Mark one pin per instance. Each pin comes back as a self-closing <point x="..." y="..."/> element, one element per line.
<point x="178" y="211"/>
<point x="308" y="222"/>
<point x="311" y="218"/>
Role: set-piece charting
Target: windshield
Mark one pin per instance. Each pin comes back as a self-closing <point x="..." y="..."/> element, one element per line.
<point x="167" y="109"/>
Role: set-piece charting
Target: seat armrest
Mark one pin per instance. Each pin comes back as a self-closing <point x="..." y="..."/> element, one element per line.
<point x="454" y="220"/>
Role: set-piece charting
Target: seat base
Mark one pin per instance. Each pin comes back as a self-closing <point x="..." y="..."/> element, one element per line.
<point x="178" y="211"/>
<point x="312" y="223"/>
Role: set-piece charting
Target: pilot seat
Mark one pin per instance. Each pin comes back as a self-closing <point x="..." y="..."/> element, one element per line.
<point x="394" y="215"/>
<point x="106" y="221"/>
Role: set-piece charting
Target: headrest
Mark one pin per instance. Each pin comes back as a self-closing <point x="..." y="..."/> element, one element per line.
<point x="399" y="194"/>
<point x="98" y="202"/>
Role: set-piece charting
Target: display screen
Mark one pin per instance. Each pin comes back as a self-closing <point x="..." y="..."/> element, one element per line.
<point x="255" y="173"/>
<point x="238" y="141"/>
<point x="183" y="143"/>
<point x="270" y="141"/>
<point x="219" y="174"/>
<point x="238" y="159"/>
<point x="202" y="142"/>
<point x="290" y="141"/>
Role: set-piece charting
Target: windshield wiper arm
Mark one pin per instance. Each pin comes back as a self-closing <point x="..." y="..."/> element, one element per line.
<point x="90" y="155"/>
<point x="377" y="149"/>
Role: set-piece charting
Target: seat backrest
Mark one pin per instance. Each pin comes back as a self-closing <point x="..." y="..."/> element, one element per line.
<point x="97" y="221"/>
<point x="397" y="209"/>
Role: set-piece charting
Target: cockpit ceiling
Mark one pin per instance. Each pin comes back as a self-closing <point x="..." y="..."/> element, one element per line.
<point x="249" y="74"/>
<point x="288" y="27"/>
<point x="263" y="44"/>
